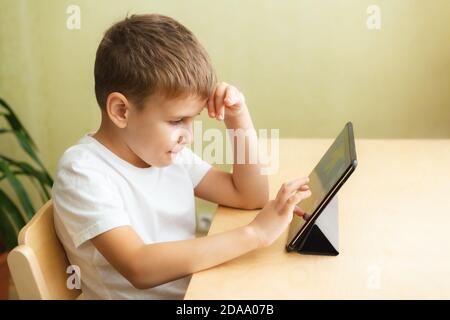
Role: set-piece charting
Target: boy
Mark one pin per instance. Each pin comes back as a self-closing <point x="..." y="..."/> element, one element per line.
<point x="124" y="196"/>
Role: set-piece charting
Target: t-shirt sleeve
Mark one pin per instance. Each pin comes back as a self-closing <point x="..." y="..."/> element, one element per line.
<point x="86" y="201"/>
<point x="196" y="167"/>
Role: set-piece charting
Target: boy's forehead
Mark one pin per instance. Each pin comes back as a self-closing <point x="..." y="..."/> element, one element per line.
<point x="183" y="106"/>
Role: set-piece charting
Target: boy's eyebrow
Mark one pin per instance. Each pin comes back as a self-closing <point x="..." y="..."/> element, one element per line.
<point x="187" y="116"/>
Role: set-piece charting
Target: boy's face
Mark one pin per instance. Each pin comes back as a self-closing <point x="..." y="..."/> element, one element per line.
<point x="162" y="128"/>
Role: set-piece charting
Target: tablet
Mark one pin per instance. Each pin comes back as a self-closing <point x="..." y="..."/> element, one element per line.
<point x="325" y="180"/>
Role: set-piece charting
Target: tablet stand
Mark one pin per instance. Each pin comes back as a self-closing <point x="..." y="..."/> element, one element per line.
<point x="323" y="236"/>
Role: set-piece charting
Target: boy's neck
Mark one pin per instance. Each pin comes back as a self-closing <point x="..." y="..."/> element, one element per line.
<point x="111" y="139"/>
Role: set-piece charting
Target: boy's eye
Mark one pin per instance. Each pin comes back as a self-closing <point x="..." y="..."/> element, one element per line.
<point x="175" y="122"/>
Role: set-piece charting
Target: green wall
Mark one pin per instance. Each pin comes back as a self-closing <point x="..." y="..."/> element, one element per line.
<point x="305" y="66"/>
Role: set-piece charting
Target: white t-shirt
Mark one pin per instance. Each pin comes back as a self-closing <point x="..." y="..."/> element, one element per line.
<point x="96" y="191"/>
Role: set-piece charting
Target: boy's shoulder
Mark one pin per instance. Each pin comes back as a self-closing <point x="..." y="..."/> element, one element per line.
<point x="81" y="154"/>
<point x="81" y="167"/>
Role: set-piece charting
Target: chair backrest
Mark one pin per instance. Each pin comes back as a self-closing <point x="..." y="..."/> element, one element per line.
<point x="38" y="264"/>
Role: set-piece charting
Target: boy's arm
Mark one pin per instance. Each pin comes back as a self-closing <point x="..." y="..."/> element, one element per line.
<point x="246" y="187"/>
<point x="149" y="265"/>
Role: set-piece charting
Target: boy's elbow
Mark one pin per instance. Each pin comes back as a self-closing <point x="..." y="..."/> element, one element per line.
<point x="140" y="282"/>
<point x="141" y="277"/>
<point x="137" y="284"/>
<point x="261" y="202"/>
<point x="138" y="277"/>
<point x="135" y="277"/>
<point x="140" y="285"/>
<point x="257" y="202"/>
<point x="263" y="198"/>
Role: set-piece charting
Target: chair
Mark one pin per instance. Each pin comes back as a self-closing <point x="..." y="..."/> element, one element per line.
<point x="38" y="264"/>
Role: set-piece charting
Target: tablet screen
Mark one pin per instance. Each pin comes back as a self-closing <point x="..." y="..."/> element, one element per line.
<point x="324" y="177"/>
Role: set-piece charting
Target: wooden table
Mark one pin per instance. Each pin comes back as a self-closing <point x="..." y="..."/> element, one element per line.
<point x="394" y="220"/>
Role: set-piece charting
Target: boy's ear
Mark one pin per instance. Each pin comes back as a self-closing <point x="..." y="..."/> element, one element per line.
<point x="117" y="108"/>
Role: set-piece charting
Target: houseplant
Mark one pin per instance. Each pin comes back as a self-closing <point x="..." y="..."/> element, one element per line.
<point x="17" y="210"/>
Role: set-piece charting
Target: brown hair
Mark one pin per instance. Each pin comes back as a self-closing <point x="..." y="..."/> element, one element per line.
<point x="151" y="54"/>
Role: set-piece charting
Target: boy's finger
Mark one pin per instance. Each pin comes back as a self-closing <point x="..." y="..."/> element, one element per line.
<point x="290" y="204"/>
<point x="218" y="100"/>
<point x="231" y="97"/>
<point x="211" y="108"/>
<point x="299" y="211"/>
<point x="212" y="102"/>
<point x="304" y="187"/>
<point x="293" y="185"/>
<point x="287" y="189"/>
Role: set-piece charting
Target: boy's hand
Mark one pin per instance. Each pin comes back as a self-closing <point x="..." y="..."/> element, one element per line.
<point x="273" y="219"/>
<point x="226" y="101"/>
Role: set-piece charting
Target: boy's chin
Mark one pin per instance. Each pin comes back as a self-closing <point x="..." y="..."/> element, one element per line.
<point x="173" y="156"/>
<point x="166" y="160"/>
<point x="169" y="158"/>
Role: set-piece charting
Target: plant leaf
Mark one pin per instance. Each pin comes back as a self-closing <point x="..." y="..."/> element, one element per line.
<point x="10" y="220"/>
<point x="40" y="189"/>
<point x="27" y="145"/>
<point x="18" y="189"/>
<point x="21" y="134"/>
<point x="16" y="124"/>
<point x="28" y="170"/>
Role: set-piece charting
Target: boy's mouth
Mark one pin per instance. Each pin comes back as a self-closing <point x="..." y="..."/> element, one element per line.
<point x="176" y="150"/>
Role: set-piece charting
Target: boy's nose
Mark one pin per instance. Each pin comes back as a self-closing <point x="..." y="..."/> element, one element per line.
<point x="185" y="138"/>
